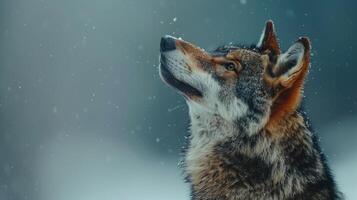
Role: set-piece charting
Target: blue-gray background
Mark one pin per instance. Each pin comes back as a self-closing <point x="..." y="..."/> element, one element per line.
<point x="84" y="115"/>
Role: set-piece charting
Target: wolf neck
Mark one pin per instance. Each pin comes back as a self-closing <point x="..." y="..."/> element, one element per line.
<point x="216" y="143"/>
<point x="208" y="129"/>
<point x="211" y="126"/>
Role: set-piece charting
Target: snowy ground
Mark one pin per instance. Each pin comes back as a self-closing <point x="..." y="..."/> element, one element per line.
<point x="346" y="178"/>
<point x="101" y="169"/>
<point x="342" y="137"/>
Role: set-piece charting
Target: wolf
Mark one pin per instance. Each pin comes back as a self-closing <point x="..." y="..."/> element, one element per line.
<point x="249" y="138"/>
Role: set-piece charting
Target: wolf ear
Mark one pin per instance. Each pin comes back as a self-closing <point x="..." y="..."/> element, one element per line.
<point x="293" y="64"/>
<point x="268" y="41"/>
<point x="286" y="79"/>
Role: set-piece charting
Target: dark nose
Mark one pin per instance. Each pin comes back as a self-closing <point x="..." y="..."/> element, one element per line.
<point x="167" y="43"/>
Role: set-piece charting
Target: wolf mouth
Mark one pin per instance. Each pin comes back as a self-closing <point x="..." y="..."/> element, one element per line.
<point x="171" y="80"/>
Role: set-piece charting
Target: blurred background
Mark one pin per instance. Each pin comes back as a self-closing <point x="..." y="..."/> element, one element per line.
<point x="85" y="116"/>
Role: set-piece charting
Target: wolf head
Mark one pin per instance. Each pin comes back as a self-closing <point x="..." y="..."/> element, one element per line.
<point x="234" y="81"/>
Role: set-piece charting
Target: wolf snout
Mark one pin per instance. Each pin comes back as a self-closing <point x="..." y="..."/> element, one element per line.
<point x="168" y="43"/>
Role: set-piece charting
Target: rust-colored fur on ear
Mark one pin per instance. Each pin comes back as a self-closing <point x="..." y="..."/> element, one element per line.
<point x="288" y="99"/>
<point x="269" y="41"/>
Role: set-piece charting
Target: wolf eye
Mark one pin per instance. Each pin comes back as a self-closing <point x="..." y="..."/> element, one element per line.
<point x="230" y="66"/>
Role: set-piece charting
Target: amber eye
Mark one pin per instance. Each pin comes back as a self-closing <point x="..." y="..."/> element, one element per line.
<point x="230" y="66"/>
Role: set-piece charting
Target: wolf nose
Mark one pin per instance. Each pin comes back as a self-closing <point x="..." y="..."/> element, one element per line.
<point x="167" y="43"/>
